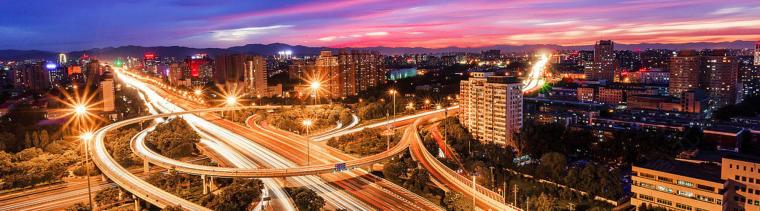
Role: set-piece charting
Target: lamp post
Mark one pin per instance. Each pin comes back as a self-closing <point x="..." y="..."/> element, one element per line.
<point x="307" y="123"/>
<point x="230" y="101"/>
<point x="393" y="93"/>
<point x="314" y="88"/>
<point x="85" y="138"/>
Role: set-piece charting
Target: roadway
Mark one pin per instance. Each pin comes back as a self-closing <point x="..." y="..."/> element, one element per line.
<point x="235" y="143"/>
<point x="380" y="193"/>
<point x="483" y="198"/>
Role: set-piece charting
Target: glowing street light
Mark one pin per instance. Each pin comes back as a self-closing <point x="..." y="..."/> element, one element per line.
<point x="198" y="92"/>
<point x="307" y="123"/>
<point x="85" y="137"/>
<point x="230" y="100"/>
<point x="315" y="87"/>
<point x="393" y="92"/>
<point x="80" y="109"/>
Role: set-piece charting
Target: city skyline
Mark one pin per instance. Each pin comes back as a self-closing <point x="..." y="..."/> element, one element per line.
<point x="81" y="25"/>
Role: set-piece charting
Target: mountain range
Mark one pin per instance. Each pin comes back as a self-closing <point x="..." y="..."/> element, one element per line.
<point x="300" y="50"/>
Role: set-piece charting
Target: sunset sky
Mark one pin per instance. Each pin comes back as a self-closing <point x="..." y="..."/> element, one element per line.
<point x="76" y="25"/>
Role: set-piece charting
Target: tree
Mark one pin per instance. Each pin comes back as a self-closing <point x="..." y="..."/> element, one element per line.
<point x="457" y="202"/>
<point x="107" y="196"/>
<point x="553" y="165"/>
<point x="173" y="208"/>
<point x="307" y="200"/>
<point x="79" y="206"/>
<point x="237" y="196"/>
<point x="545" y="202"/>
<point x="44" y="139"/>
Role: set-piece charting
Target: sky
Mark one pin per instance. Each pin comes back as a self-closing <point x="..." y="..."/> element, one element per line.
<point x="59" y="25"/>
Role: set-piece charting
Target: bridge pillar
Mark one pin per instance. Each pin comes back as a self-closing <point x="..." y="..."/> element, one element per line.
<point x="137" y="202"/>
<point x="146" y="167"/>
<point x="205" y="185"/>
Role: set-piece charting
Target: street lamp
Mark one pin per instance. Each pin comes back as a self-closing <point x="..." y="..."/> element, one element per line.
<point x="230" y="101"/>
<point x="393" y="93"/>
<point x="307" y="123"/>
<point x="314" y="87"/>
<point x="85" y="137"/>
<point x="198" y="92"/>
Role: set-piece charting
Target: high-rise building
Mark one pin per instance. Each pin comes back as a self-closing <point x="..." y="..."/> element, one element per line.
<point x="242" y="71"/>
<point x="255" y="76"/>
<point x="107" y="92"/>
<point x="32" y="76"/>
<point x="349" y="73"/>
<point x="300" y="69"/>
<point x="604" y="62"/>
<point x="749" y="78"/>
<point x="742" y="181"/>
<point x="757" y="53"/>
<point x="62" y="59"/>
<point x="685" y="71"/>
<point x="722" y="71"/>
<point x="491" y="107"/>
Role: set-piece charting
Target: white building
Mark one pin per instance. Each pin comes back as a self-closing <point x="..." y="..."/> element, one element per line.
<point x="491" y="107"/>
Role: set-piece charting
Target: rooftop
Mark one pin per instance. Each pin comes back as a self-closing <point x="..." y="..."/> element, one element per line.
<point x="704" y="171"/>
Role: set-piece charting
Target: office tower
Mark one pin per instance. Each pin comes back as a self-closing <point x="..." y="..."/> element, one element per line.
<point x="93" y="70"/>
<point x="255" y="76"/>
<point x="228" y="69"/>
<point x="107" y="92"/>
<point x="604" y="62"/>
<point x="685" y="71"/>
<point x="721" y="73"/>
<point x="201" y="69"/>
<point x="150" y="63"/>
<point x="693" y="101"/>
<point x="491" y="107"/>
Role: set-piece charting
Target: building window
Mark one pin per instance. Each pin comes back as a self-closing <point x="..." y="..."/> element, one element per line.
<point x="646" y="197"/>
<point x="683" y="206"/>
<point x="663" y="201"/>
<point x="685" y="183"/>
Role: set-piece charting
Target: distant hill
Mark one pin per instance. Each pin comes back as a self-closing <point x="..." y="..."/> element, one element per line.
<point x="272" y="49"/>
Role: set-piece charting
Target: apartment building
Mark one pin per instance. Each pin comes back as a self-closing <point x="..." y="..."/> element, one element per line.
<point x="732" y="185"/>
<point x="491" y="107"/>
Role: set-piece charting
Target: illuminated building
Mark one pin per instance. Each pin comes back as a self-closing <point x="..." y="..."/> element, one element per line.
<point x="586" y="94"/>
<point x="34" y="76"/>
<point x="757" y="53"/>
<point x="742" y="176"/>
<point x="749" y="78"/>
<point x="327" y="69"/>
<point x="256" y="76"/>
<point x="685" y="71"/>
<point x="722" y="71"/>
<point x="604" y="62"/>
<point x="245" y="71"/>
<point x="299" y="69"/>
<point x="611" y="96"/>
<point x="349" y="72"/>
<point x="201" y="69"/>
<point x="107" y="92"/>
<point x="677" y="185"/>
<point x="698" y="185"/>
<point x="150" y="62"/>
<point x="491" y="107"/>
<point x="62" y="59"/>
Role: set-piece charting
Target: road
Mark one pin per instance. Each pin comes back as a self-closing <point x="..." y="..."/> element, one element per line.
<point x="334" y="197"/>
<point x="484" y="199"/>
<point x="375" y="191"/>
<point x="536" y="78"/>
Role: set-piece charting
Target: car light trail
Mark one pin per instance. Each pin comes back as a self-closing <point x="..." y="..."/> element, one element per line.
<point x="536" y="78"/>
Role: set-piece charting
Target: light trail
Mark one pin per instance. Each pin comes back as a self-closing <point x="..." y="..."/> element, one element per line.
<point x="536" y="78"/>
<point x="333" y="196"/>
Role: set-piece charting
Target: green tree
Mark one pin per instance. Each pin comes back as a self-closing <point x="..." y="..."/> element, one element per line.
<point x="307" y="200"/>
<point x="457" y="202"/>
<point x="44" y="139"/>
<point x="107" y="196"/>
<point x="552" y="165"/>
<point x="79" y="206"/>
